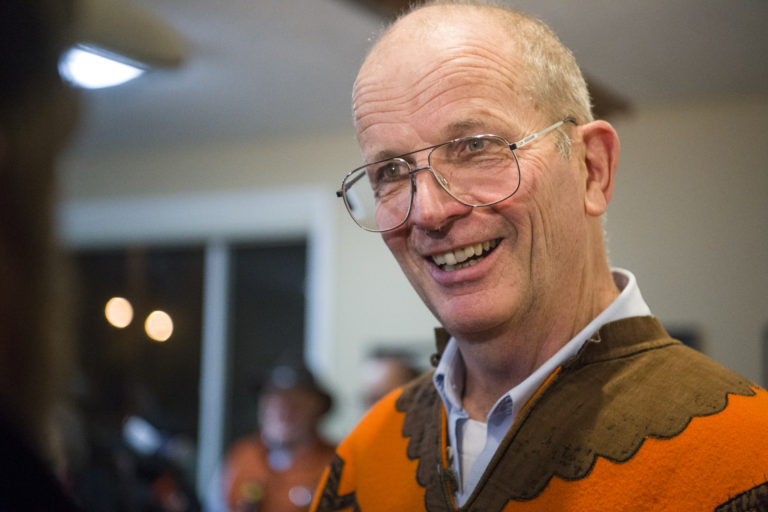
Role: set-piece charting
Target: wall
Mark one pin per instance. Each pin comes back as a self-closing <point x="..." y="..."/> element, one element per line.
<point x="689" y="217"/>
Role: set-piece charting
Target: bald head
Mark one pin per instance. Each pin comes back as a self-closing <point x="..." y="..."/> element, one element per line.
<point x="523" y="55"/>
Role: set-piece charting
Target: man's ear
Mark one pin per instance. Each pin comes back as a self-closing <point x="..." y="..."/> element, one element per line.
<point x="601" y="157"/>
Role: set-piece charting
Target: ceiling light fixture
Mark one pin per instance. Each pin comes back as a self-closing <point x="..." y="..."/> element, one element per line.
<point x="90" y="68"/>
<point x="116" y="41"/>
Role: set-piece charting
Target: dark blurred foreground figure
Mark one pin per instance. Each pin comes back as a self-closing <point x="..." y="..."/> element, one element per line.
<point x="37" y="114"/>
<point x="278" y="467"/>
<point x="555" y="388"/>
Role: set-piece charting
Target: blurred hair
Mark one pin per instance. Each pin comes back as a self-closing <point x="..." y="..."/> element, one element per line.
<point x="286" y="377"/>
<point x="402" y="357"/>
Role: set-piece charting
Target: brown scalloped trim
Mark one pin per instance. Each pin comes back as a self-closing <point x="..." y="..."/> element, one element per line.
<point x="423" y="414"/>
<point x="752" y="500"/>
<point x="610" y="408"/>
<point x="609" y="398"/>
<point x="330" y="499"/>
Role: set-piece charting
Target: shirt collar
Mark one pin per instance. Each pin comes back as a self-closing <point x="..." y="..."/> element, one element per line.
<point x="449" y="374"/>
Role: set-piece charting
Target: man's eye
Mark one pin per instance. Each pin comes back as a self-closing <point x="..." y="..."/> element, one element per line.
<point x="389" y="171"/>
<point x="473" y="145"/>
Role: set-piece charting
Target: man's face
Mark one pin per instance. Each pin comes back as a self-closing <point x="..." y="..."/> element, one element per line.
<point x="289" y="415"/>
<point x="414" y="92"/>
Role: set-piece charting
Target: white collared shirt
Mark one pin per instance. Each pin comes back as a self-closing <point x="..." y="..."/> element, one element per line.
<point x="473" y="450"/>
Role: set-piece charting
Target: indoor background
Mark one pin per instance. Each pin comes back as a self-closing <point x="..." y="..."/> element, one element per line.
<point x="231" y="161"/>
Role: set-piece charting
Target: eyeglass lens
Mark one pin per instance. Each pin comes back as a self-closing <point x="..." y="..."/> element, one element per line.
<point x="477" y="171"/>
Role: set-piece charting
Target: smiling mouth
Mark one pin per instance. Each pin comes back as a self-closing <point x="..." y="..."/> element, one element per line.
<point x="464" y="257"/>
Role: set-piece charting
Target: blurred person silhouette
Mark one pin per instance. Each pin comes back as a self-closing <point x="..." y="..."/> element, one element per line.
<point x="278" y="467"/>
<point x="137" y="455"/>
<point x="384" y="371"/>
<point x="39" y="425"/>
<point x="37" y="116"/>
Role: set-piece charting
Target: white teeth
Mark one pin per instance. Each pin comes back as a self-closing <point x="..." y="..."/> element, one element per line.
<point x="451" y="268"/>
<point x="455" y="259"/>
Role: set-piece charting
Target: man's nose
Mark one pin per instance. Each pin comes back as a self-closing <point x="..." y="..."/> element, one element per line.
<point x="433" y="207"/>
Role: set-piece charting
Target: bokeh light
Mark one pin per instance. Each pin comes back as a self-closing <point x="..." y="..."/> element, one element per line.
<point x="159" y="326"/>
<point x="119" y="312"/>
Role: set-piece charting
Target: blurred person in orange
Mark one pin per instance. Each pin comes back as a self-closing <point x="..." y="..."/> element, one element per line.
<point x="278" y="467"/>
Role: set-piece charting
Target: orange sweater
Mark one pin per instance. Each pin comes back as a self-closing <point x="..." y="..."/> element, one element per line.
<point x="636" y="422"/>
<point x="251" y="484"/>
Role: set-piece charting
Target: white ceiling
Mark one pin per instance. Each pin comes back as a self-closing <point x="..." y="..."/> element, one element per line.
<point x="260" y="67"/>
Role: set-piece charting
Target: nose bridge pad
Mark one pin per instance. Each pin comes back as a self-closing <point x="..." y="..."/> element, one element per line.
<point x="440" y="179"/>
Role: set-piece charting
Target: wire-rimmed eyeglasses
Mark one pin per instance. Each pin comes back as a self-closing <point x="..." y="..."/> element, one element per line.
<point x="480" y="170"/>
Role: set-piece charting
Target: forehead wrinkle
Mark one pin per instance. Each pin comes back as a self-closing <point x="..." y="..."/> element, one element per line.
<point x="365" y="95"/>
<point x="444" y="85"/>
<point x="464" y="55"/>
<point x="456" y="68"/>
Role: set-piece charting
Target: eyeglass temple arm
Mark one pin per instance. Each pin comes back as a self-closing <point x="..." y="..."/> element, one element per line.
<point x="346" y="185"/>
<point x="530" y="138"/>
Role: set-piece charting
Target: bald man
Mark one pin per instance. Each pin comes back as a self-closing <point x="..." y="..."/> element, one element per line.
<point x="487" y="177"/>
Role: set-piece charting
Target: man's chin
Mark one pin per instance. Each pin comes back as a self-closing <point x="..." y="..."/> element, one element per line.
<point x="470" y="327"/>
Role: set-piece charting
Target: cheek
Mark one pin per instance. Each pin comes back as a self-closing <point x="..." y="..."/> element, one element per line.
<point x="551" y="200"/>
<point x="537" y="195"/>
<point x="397" y="242"/>
<point x="410" y="263"/>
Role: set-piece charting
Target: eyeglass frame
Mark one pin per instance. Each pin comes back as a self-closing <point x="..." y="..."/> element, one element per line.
<point x="439" y="177"/>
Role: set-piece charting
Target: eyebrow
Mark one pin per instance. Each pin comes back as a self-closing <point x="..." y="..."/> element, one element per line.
<point x="384" y="155"/>
<point x="464" y="127"/>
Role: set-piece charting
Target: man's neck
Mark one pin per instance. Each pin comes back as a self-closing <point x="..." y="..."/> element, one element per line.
<point x="502" y="360"/>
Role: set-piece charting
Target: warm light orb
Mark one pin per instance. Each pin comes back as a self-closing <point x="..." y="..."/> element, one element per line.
<point x="119" y="312"/>
<point x="159" y="326"/>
